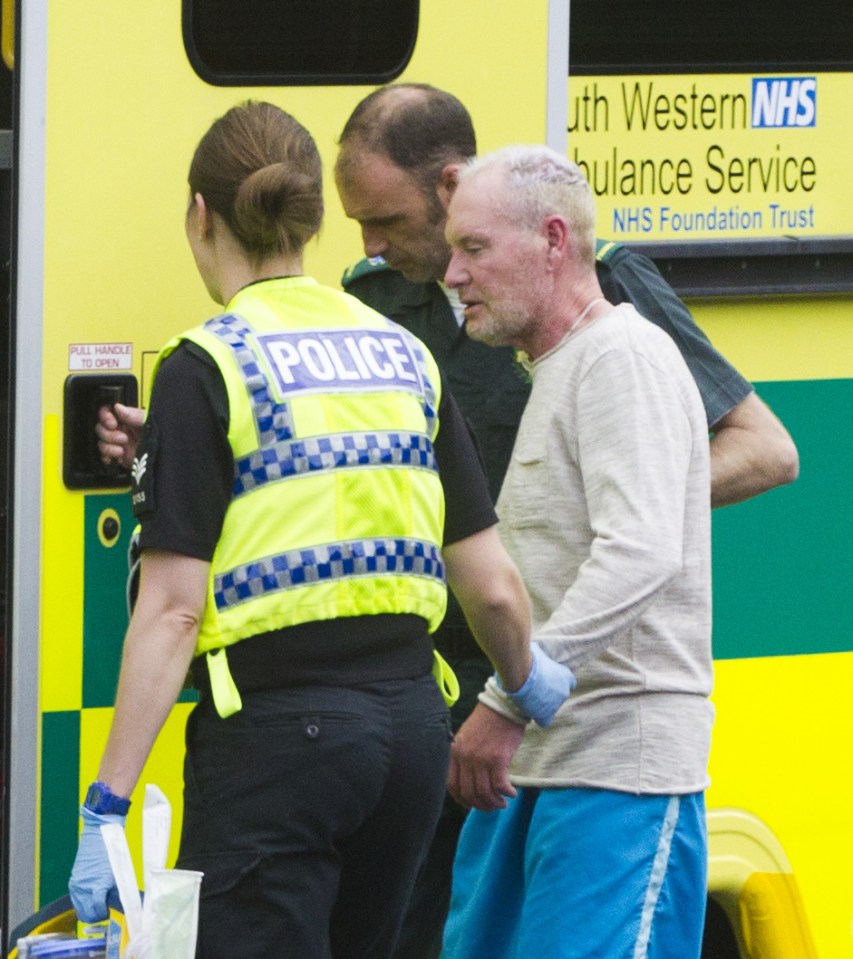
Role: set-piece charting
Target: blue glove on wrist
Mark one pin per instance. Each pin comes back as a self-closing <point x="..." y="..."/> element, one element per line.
<point x="546" y="688"/>
<point x="92" y="877"/>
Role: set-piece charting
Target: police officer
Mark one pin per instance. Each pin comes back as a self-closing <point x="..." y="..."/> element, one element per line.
<point x="304" y="484"/>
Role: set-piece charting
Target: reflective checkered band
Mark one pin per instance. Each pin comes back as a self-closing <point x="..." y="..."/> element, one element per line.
<point x="273" y="420"/>
<point x="336" y="561"/>
<point x="297" y="457"/>
<point x="280" y="456"/>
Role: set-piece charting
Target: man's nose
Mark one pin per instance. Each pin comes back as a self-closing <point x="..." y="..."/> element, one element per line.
<point x="373" y="241"/>
<point x="455" y="276"/>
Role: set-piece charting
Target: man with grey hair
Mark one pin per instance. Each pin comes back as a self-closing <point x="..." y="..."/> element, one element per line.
<point x="592" y="842"/>
<point x="395" y="173"/>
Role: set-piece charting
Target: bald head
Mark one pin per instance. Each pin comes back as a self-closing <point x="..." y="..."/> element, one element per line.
<point x="416" y="126"/>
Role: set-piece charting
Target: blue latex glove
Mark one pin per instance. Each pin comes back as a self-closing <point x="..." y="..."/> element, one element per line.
<point x="546" y="688"/>
<point x="92" y="877"/>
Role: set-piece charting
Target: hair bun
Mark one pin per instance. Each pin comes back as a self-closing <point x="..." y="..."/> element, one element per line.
<point x="260" y="170"/>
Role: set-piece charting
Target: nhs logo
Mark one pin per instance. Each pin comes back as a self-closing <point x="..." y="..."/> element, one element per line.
<point x="784" y="102"/>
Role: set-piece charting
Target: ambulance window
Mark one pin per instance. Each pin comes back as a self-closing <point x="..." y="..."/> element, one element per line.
<point x="710" y="36"/>
<point x="274" y="42"/>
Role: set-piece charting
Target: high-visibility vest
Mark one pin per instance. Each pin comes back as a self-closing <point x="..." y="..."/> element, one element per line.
<point x="337" y="506"/>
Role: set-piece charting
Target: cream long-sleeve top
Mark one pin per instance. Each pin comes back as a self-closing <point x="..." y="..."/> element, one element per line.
<point x="605" y="509"/>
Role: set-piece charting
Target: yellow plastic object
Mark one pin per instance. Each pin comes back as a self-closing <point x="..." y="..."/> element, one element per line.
<point x="56" y="917"/>
<point x="773" y="918"/>
<point x="7" y="33"/>
<point x="226" y="696"/>
<point x="750" y="876"/>
<point x="446" y="679"/>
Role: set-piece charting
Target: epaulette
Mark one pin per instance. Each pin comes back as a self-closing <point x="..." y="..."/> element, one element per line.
<point x="605" y="250"/>
<point x="364" y="267"/>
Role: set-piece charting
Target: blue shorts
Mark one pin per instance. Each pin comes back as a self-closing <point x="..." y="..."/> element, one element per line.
<point x="581" y="874"/>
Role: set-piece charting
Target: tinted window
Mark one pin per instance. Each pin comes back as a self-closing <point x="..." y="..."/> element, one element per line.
<point x="726" y="36"/>
<point x="265" y="42"/>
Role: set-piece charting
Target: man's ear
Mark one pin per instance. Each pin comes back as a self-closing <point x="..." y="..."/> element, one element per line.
<point x="556" y="232"/>
<point x="447" y="183"/>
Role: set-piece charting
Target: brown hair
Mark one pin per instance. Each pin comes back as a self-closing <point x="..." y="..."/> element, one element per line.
<point x="260" y="170"/>
<point x="417" y="126"/>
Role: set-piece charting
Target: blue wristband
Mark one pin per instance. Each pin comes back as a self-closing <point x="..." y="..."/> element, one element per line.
<point x="102" y="800"/>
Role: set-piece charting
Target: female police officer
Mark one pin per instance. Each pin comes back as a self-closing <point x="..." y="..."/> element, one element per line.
<point x="303" y="484"/>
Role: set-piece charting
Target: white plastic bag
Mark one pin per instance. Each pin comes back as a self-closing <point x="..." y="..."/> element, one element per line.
<point x="165" y="925"/>
<point x="170" y="912"/>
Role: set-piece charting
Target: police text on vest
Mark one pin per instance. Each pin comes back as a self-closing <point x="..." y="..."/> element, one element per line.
<point x="341" y="360"/>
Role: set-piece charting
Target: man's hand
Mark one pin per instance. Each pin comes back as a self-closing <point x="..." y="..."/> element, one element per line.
<point x="480" y="758"/>
<point x="118" y="429"/>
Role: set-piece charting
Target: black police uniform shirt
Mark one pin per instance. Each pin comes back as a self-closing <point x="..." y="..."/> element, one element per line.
<point x="181" y="503"/>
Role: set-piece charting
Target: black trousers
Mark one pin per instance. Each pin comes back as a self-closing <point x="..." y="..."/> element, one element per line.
<point x="309" y="813"/>
<point x="423" y="926"/>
